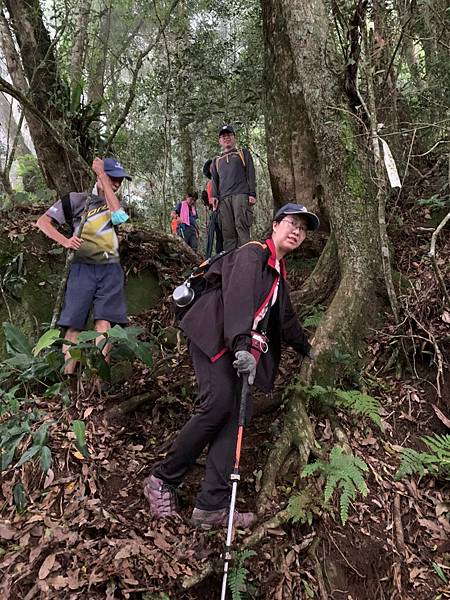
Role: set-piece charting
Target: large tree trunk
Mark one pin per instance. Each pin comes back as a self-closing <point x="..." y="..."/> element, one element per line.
<point x="349" y="198"/>
<point x="63" y="167"/>
<point x="345" y="176"/>
<point x="291" y="152"/>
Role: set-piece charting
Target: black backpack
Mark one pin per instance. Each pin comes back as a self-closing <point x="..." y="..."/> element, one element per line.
<point x="187" y="294"/>
<point x="196" y="285"/>
<point x="68" y="214"/>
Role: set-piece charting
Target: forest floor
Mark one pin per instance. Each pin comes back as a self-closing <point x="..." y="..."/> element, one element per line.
<point x="86" y="532"/>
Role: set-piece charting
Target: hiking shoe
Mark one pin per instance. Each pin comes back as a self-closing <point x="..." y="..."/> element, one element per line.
<point x="207" y="519"/>
<point x="161" y="497"/>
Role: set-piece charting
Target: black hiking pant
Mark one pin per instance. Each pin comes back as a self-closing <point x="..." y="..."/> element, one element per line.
<point x="215" y="425"/>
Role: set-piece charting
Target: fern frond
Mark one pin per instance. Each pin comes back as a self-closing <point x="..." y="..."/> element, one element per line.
<point x="348" y="494"/>
<point x="302" y="506"/>
<point x="237" y="578"/>
<point x="237" y="582"/>
<point x="310" y="469"/>
<point x="415" y="463"/>
<point x="330" y="486"/>
<point x="440" y="444"/>
<point x="360" y="404"/>
<point x="313" y="320"/>
<point x="343" y="471"/>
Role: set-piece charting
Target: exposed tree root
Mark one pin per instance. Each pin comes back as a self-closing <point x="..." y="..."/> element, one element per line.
<point x="318" y="569"/>
<point x="252" y="540"/>
<point x="298" y="433"/>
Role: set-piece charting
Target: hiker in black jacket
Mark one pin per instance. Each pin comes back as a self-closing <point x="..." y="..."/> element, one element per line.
<point x="233" y="189"/>
<point x="248" y="292"/>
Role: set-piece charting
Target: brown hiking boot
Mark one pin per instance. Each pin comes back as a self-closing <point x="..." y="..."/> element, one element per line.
<point x="161" y="497"/>
<point x="207" y="519"/>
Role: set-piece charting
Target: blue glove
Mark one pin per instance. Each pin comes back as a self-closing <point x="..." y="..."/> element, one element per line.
<point x="119" y="216"/>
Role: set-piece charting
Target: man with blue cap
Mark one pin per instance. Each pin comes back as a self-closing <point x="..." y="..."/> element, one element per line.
<point x="96" y="279"/>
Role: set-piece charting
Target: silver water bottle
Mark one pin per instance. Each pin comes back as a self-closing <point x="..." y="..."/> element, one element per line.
<point x="183" y="294"/>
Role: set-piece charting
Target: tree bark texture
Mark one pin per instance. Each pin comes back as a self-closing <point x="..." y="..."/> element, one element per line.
<point x="63" y="167"/>
<point x="346" y="179"/>
<point x="186" y="156"/>
<point x="79" y="44"/>
<point x="10" y="128"/>
<point x="291" y="151"/>
<point x="98" y="62"/>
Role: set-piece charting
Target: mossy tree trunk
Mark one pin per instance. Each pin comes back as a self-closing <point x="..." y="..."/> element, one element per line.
<point x="63" y="167"/>
<point x="291" y="151"/>
<point x="349" y="199"/>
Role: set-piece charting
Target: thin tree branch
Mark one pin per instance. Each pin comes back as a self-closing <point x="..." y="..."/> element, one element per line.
<point x="432" y="255"/>
<point x="132" y="93"/>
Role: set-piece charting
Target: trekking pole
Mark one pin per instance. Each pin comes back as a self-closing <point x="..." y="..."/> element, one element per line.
<point x="235" y="477"/>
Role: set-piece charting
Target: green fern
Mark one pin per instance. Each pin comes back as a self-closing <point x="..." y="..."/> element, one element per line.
<point x="344" y="472"/>
<point x="360" y="404"/>
<point x="302" y="507"/>
<point x="353" y="400"/>
<point x="440" y="445"/>
<point x="314" y="319"/>
<point x="414" y="463"/>
<point x="237" y="578"/>
<point x="425" y="463"/>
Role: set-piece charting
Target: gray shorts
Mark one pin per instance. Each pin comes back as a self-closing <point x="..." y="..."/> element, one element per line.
<point x="97" y="286"/>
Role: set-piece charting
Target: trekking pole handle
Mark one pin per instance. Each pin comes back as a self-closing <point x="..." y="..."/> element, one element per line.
<point x="243" y="405"/>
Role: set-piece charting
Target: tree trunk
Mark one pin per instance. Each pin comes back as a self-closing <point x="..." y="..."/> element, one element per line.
<point x="385" y="83"/>
<point x="186" y="157"/>
<point x="79" y="44"/>
<point x="9" y="126"/>
<point x="345" y="176"/>
<point x="349" y="200"/>
<point x="291" y="152"/>
<point x="63" y="167"/>
<point x="98" y="66"/>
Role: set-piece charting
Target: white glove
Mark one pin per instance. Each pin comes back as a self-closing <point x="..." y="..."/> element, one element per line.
<point x="245" y="363"/>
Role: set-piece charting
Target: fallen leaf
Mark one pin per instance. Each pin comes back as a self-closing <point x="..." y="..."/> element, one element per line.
<point x="46" y="566"/>
<point x="87" y="412"/>
<point x="160" y="542"/>
<point x="6" y="533"/>
<point x="59" y="582"/>
<point x="440" y="415"/>
<point x="124" y="552"/>
<point x="78" y="455"/>
<point x="49" y="478"/>
<point x="446" y="316"/>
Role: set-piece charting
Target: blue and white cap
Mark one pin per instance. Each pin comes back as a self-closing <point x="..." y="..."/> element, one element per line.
<point x="113" y="168"/>
<point x="299" y="209"/>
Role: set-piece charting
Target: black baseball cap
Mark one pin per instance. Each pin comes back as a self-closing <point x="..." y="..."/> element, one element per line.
<point x="299" y="209"/>
<point x="226" y="129"/>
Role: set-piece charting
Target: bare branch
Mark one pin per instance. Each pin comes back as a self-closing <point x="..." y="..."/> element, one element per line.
<point x="132" y="93"/>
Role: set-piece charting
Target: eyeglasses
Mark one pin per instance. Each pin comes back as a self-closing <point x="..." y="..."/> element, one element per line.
<point x="293" y="225"/>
